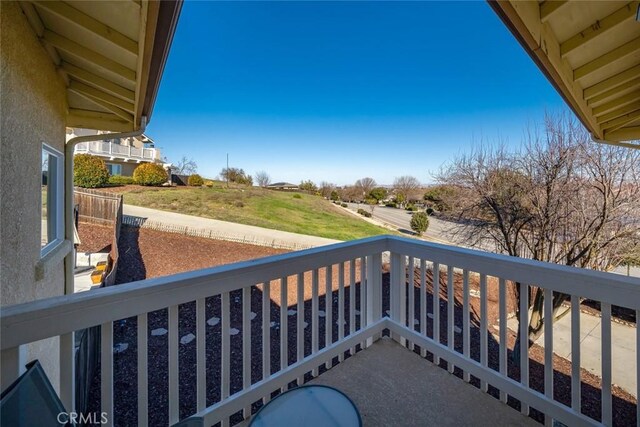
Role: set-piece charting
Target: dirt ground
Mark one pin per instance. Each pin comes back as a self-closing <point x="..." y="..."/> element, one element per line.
<point x="148" y="253"/>
<point x="94" y="238"/>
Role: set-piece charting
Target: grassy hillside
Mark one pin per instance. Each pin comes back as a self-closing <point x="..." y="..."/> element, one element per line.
<point x="294" y="212"/>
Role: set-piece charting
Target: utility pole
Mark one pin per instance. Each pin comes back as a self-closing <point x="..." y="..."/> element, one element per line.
<point x="227" y="170"/>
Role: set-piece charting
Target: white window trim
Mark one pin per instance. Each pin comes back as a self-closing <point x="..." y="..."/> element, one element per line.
<point x="57" y="196"/>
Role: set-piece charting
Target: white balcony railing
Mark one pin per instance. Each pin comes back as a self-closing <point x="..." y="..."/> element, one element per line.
<point x="105" y="148"/>
<point x="351" y="274"/>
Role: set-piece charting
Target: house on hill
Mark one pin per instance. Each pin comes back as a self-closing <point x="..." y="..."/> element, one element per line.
<point x="121" y="155"/>
<point x="283" y="186"/>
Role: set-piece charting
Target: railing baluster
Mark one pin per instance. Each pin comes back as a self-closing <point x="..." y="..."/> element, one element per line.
<point x="300" y="322"/>
<point x="266" y="334"/>
<point x="484" y="329"/>
<point x="67" y="371"/>
<point x="423" y="302"/>
<point x="225" y="376"/>
<point x="284" y="323"/>
<point x="201" y="354"/>
<point x="450" y="314"/>
<point x="106" y="371"/>
<point x="436" y="307"/>
<point x="548" y="349"/>
<point x="341" y="320"/>
<point x="466" y="335"/>
<point x="637" y="366"/>
<point x="174" y="392"/>
<point x="328" y="308"/>
<point x="402" y="283"/>
<point x="352" y="301"/>
<point x="395" y="300"/>
<point x="576" y="392"/>
<point x="503" y="333"/>
<point x="524" y="342"/>
<point x="246" y="344"/>
<point x="412" y="302"/>
<point x="607" y="409"/>
<point x="143" y="373"/>
<point x="315" y="322"/>
<point x="363" y="293"/>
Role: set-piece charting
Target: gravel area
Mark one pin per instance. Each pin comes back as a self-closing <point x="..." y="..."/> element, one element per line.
<point x="148" y="253"/>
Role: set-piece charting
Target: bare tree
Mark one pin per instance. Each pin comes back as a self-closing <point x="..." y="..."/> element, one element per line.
<point x="407" y="187"/>
<point x="364" y="186"/>
<point x="185" y="166"/>
<point x="561" y="199"/>
<point x="263" y="179"/>
<point x="326" y="188"/>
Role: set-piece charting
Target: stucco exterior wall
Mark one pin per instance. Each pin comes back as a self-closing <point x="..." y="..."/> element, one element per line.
<point x="32" y="110"/>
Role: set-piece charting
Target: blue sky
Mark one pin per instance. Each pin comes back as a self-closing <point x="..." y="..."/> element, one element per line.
<point x="337" y="91"/>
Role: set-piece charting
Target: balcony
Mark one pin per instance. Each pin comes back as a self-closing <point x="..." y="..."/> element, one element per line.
<point x="219" y="343"/>
<point x="118" y="151"/>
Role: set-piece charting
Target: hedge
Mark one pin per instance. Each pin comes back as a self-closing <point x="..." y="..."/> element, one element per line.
<point x="89" y="171"/>
<point x="195" y="180"/>
<point x="151" y="174"/>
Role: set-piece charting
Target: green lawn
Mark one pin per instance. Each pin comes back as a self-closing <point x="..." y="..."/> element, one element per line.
<point x="278" y="210"/>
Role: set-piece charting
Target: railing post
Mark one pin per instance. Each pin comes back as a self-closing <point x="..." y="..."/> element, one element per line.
<point x="110" y="147"/>
<point x="12" y="362"/>
<point x="373" y="291"/>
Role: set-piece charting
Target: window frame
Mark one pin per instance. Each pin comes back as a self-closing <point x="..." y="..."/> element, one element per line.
<point x="55" y="198"/>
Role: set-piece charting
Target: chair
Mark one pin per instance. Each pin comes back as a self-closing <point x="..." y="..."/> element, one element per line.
<point x="32" y="401"/>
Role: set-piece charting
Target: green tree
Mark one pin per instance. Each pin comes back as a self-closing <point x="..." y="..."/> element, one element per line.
<point x="308" y="186"/>
<point x="419" y="222"/>
<point x="378" y="193"/>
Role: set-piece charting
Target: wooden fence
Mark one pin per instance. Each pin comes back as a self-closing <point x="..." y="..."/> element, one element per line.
<point x="100" y="207"/>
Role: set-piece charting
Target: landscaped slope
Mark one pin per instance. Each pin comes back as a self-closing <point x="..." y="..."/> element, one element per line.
<point x="286" y="211"/>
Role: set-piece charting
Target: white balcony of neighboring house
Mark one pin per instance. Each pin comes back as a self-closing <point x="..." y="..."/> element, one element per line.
<point x="233" y="335"/>
<point x="115" y="151"/>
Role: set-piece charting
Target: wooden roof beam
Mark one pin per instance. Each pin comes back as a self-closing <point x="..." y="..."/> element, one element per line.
<point x="80" y="51"/>
<point x="98" y="82"/>
<point x="621" y="121"/>
<point x="549" y="7"/>
<point x="103" y="104"/>
<point x="599" y="28"/>
<point x="624" y="134"/>
<point x="614" y="55"/>
<point x="103" y="96"/>
<point x="617" y="103"/>
<point x="75" y="17"/>
<point x="97" y="120"/>
<point x="631" y="84"/>
<point x="619" y="112"/>
<point x="612" y="82"/>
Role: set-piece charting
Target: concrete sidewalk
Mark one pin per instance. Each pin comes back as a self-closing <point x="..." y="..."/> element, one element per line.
<point x="623" y="344"/>
<point x="257" y="235"/>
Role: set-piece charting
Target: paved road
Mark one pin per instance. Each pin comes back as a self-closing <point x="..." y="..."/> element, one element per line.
<point x="440" y="231"/>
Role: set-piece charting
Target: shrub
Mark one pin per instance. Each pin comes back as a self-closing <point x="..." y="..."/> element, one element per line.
<point x="344" y="205"/>
<point x="430" y="211"/>
<point x="151" y="174"/>
<point x="419" y="222"/>
<point x="391" y="205"/>
<point x="208" y="184"/>
<point x="364" y="213"/>
<point x="297" y="196"/>
<point x="120" y="180"/>
<point x="89" y="171"/>
<point x="195" y="180"/>
<point x="411" y="208"/>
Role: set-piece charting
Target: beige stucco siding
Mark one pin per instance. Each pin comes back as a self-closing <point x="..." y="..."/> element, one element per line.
<point x="33" y="107"/>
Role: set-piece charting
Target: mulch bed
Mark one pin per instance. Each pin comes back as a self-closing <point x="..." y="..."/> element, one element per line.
<point x="94" y="237"/>
<point x="148" y="253"/>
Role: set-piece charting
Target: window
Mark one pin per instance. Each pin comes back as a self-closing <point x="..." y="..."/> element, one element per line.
<point x="114" y="169"/>
<point x="52" y="230"/>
